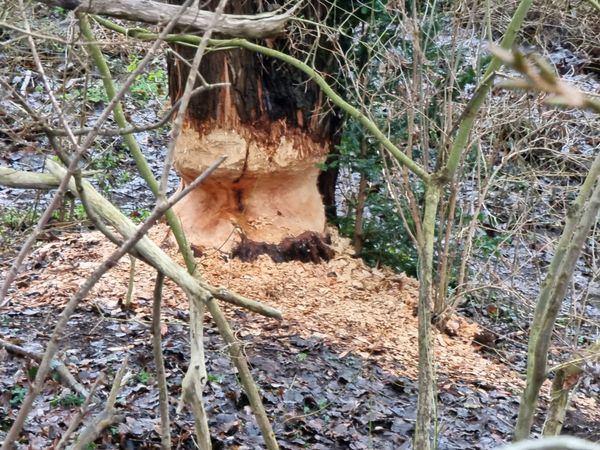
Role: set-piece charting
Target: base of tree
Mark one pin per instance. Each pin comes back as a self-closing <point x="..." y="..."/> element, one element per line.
<point x="265" y="192"/>
<point x="307" y="247"/>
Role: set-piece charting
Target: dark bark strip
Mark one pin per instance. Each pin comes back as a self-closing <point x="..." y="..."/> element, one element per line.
<point x="263" y="91"/>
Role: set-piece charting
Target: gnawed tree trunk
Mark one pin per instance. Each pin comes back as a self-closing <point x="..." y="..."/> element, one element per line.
<point x="275" y="128"/>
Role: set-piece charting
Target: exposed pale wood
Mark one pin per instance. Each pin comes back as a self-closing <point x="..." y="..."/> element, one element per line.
<point x="149" y="250"/>
<point x="275" y="136"/>
<point x="153" y="253"/>
<point x="252" y="27"/>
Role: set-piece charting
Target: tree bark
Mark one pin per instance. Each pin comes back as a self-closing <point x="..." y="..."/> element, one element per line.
<point x="426" y="398"/>
<point x="274" y="125"/>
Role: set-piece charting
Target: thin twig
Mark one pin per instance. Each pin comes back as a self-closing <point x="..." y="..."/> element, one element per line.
<point x="72" y="304"/>
<point x="80" y="414"/>
<point x="79" y="150"/>
<point x="185" y="99"/>
<point x="131" y="129"/>
<point x="163" y="392"/>
<point x="106" y="417"/>
<point x="130" y="283"/>
<point x="56" y="365"/>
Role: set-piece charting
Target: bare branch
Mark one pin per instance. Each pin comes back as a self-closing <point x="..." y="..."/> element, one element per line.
<point x="27" y="180"/>
<point x="163" y="393"/>
<point x="81" y="414"/>
<point x="196" y="377"/>
<point x="540" y="76"/>
<point x="252" y="27"/>
<point x="106" y="417"/>
<point x="56" y="365"/>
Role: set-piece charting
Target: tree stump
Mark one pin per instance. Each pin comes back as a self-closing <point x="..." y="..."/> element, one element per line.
<point x="276" y="129"/>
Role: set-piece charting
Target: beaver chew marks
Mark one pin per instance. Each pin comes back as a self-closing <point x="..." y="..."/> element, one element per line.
<point x="274" y="125"/>
<point x="265" y="191"/>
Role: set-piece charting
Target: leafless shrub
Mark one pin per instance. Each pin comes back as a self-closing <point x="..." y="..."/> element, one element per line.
<point x="549" y="25"/>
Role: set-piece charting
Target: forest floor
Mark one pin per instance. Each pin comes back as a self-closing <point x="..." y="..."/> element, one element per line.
<point x="339" y="371"/>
